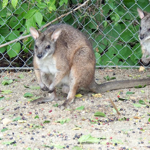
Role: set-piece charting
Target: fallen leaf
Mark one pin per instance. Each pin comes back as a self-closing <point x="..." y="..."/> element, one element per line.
<point x="7" y="82"/>
<point x="80" y="108"/>
<point x="27" y="95"/>
<point x="136" y="117"/>
<point x="142" y="102"/>
<point x="88" y="139"/>
<point x="138" y="105"/>
<point x="17" y="118"/>
<point x="78" y="95"/>
<point x="99" y="114"/>
<point x="4" y="129"/>
<point x="76" y="128"/>
<point x="141" y="69"/>
<point x="21" y="76"/>
<point x="97" y="95"/>
<point x="6" y="91"/>
<point x="129" y="93"/>
<point x="9" y="142"/>
<point x="22" y="121"/>
<point x="77" y="148"/>
<point x="2" y="97"/>
<point x="142" y="91"/>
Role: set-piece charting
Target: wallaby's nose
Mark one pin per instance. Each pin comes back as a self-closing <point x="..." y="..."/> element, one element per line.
<point x="39" y="55"/>
<point x="141" y="36"/>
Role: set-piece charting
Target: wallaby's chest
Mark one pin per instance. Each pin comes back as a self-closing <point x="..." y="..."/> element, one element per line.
<point x="48" y="65"/>
<point x="146" y="45"/>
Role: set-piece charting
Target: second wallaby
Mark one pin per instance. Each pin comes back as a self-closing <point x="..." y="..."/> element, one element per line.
<point x="144" y="35"/>
<point x="63" y="55"/>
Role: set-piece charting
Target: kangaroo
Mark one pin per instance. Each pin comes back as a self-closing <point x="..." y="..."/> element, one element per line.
<point x="64" y="56"/>
<point x="144" y="35"/>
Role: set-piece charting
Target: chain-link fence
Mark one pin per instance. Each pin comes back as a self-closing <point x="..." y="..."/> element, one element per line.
<point x="112" y="27"/>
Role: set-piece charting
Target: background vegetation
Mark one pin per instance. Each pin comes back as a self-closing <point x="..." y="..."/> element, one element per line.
<point x="112" y="26"/>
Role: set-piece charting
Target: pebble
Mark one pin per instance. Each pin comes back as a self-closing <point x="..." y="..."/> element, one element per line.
<point x="31" y="138"/>
<point x="6" y="121"/>
<point x="52" y="147"/>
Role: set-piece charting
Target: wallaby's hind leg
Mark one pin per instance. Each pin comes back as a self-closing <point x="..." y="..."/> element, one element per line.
<point x="71" y="95"/>
<point x="81" y="74"/>
<point x="57" y="79"/>
<point x="74" y="84"/>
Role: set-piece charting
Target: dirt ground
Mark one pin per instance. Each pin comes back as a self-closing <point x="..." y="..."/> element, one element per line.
<point x="28" y="126"/>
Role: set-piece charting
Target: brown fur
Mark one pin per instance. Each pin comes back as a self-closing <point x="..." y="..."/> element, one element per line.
<point x="144" y="35"/>
<point x="70" y="57"/>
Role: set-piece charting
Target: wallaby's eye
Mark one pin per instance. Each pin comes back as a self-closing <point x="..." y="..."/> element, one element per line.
<point x="140" y="28"/>
<point x="36" y="46"/>
<point x="48" y="47"/>
<point x="149" y="29"/>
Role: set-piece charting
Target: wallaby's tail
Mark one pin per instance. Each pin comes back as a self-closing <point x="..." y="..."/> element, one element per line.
<point x="115" y="85"/>
<point x="52" y="97"/>
<point x="42" y="100"/>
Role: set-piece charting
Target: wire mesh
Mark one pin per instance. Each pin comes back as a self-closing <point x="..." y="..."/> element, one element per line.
<point x="111" y="26"/>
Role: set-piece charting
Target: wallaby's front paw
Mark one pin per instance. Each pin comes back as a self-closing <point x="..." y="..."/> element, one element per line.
<point x="44" y="88"/>
<point x="51" y="91"/>
<point x="51" y="88"/>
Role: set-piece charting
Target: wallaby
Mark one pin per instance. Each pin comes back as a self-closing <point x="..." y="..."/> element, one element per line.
<point x="64" y="55"/>
<point x="144" y="35"/>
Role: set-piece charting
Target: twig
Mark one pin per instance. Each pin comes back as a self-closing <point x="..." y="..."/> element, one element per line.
<point x="18" y="39"/>
<point x="23" y="37"/>
<point x="114" y="106"/>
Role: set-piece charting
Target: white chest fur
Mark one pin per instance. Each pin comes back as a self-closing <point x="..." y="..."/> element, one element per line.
<point x="47" y="65"/>
<point x="146" y="45"/>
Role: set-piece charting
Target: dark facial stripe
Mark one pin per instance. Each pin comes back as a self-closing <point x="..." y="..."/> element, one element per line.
<point x="42" y="38"/>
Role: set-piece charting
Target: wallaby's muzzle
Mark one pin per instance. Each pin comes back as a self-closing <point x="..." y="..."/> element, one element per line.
<point x="39" y="55"/>
<point x="141" y="36"/>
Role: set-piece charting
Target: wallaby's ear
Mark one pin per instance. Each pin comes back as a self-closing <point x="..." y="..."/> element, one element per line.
<point x="55" y="35"/>
<point x="35" y="34"/>
<point x="141" y="13"/>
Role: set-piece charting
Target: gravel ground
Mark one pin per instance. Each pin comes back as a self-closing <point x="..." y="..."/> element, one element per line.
<point x="27" y="126"/>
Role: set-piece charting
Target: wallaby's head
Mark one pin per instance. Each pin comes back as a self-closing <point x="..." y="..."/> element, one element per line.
<point x="145" y="25"/>
<point x="44" y="42"/>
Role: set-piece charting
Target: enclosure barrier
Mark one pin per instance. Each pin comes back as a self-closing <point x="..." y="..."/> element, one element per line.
<point x="111" y="26"/>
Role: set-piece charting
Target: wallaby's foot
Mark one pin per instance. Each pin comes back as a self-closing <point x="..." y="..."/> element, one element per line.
<point x="52" y="97"/>
<point x="62" y="107"/>
<point x="66" y="104"/>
